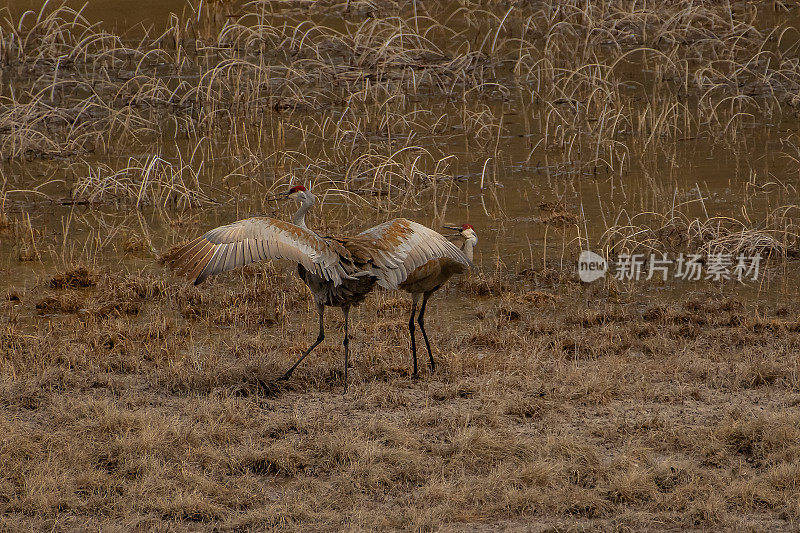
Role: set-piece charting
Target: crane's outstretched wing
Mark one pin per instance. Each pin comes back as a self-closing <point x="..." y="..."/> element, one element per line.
<point x="398" y="247"/>
<point x="257" y="239"/>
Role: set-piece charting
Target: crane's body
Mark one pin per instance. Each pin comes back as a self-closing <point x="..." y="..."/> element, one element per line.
<point x="428" y="278"/>
<point x="338" y="272"/>
<point x="431" y="275"/>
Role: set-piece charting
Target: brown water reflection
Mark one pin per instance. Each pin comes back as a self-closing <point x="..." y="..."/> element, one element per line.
<point x="116" y="15"/>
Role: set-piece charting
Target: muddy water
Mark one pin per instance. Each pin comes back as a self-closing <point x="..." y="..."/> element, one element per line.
<point x="506" y="186"/>
<point x="115" y="15"/>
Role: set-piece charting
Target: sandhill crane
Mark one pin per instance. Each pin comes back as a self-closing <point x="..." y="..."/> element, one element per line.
<point x="338" y="272"/>
<point x="428" y="278"/>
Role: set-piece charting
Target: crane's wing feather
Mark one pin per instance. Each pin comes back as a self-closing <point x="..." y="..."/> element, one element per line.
<point x="258" y="239"/>
<point x="398" y="247"/>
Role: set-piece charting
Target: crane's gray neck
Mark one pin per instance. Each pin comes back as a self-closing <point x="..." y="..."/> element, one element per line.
<point x="299" y="218"/>
<point x="469" y="244"/>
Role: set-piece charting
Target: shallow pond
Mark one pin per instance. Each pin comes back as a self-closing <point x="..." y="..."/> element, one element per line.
<point x="551" y="130"/>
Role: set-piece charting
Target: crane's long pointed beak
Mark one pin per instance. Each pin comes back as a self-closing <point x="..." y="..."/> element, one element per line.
<point x="276" y="197"/>
<point x="454" y="228"/>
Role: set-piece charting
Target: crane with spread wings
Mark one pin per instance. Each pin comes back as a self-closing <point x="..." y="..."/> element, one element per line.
<point x="339" y="272"/>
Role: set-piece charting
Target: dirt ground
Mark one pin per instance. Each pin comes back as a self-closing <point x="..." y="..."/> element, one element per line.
<point x="132" y="401"/>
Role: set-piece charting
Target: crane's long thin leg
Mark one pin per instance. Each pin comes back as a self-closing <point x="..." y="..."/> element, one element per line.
<point x="421" y="320"/>
<point x="346" y="343"/>
<point x="320" y="338"/>
<point x="411" y="331"/>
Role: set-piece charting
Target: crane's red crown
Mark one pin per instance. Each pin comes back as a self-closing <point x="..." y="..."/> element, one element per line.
<point x="465" y="227"/>
<point x="297" y="188"/>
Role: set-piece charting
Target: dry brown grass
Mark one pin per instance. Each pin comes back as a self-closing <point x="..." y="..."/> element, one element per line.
<point x="326" y="86"/>
<point x="775" y="235"/>
<point x="134" y="402"/>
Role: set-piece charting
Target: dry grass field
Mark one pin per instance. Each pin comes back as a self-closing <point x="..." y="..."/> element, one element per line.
<point x="121" y="411"/>
<point x="131" y="400"/>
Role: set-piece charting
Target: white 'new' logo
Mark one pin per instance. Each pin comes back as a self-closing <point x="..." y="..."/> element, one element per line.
<point x="591" y="266"/>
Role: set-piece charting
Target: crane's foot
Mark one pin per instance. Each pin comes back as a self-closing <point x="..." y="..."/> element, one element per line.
<point x="415" y="375"/>
<point x="264" y="387"/>
<point x="287" y="375"/>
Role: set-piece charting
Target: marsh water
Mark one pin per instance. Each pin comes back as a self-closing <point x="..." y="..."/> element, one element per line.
<point x="537" y="189"/>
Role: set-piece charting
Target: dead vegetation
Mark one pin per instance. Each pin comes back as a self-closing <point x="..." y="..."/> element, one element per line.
<point x="386" y="93"/>
<point x="775" y="236"/>
<point x="78" y="277"/>
<point x="677" y="415"/>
